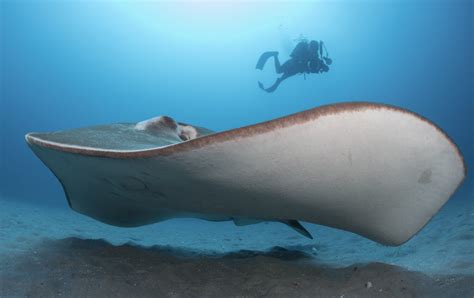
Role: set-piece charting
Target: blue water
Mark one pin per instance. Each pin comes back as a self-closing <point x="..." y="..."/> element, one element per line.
<point x="68" y="64"/>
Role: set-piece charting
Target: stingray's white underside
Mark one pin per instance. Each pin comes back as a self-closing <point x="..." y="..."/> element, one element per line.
<point x="377" y="171"/>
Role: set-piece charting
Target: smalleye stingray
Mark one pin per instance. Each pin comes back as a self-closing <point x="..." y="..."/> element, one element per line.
<point x="372" y="169"/>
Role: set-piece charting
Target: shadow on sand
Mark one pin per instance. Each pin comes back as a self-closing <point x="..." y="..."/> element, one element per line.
<point x="83" y="267"/>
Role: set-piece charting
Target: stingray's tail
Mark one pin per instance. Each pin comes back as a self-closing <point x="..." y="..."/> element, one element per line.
<point x="295" y="225"/>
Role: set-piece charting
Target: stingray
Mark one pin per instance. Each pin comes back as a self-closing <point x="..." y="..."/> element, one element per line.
<point x="375" y="170"/>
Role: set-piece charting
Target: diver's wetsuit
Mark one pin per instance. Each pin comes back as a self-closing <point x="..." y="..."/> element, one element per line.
<point x="288" y="69"/>
<point x="304" y="59"/>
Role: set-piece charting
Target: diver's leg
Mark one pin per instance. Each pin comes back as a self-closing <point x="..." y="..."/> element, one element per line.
<point x="289" y="66"/>
<point x="278" y="81"/>
<point x="276" y="84"/>
<point x="263" y="59"/>
<point x="278" y="67"/>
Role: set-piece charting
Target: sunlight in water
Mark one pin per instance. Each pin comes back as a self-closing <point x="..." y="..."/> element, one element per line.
<point x="216" y="21"/>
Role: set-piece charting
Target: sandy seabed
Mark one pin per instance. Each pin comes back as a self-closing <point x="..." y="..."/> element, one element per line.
<point x="56" y="252"/>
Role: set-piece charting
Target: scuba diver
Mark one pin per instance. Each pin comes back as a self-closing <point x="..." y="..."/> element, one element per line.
<point x="305" y="58"/>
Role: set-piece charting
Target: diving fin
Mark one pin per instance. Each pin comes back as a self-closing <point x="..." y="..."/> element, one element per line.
<point x="263" y="59"/>
<point x="269" y="89"/>
<point x="295" y="225"/>
<point x="272" y="87"/>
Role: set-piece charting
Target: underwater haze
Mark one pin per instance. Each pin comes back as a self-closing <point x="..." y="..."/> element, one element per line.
<point x="70" y="64"/>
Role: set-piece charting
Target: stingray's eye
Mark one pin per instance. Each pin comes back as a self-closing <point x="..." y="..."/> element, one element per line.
<point x="187" y="132"/>
<point x="157" y="123"/>
<point x="184" y="137"/>
<point x="168" y="121"/>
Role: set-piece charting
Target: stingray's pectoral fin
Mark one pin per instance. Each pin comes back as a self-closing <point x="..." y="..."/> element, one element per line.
<point x="295" y="225"/>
